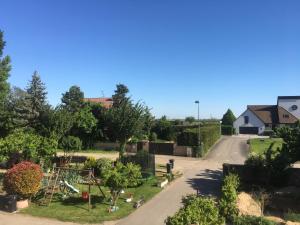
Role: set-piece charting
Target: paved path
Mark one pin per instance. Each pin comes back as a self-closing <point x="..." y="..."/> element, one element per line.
<point x="203" y="175"/>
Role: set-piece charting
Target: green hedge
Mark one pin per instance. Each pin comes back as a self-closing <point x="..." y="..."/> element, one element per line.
<point x="227" y="130"/>
<point x="209" y="134"/>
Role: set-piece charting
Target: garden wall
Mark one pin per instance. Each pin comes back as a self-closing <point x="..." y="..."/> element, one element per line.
<point x="161" y="148"/>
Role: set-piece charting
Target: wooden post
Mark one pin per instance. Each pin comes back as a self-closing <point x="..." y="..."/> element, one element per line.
<point x="90" y="189"/>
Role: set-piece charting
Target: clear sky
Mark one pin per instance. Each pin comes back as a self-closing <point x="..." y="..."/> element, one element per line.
<point x="169" y="53"/>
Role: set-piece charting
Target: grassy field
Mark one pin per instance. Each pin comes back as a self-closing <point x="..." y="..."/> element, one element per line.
<point x="76" y="210"/>
<point x="260" y="145"/>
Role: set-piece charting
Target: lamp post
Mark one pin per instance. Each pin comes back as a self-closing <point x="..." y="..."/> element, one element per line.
<point x="199" y="141"/>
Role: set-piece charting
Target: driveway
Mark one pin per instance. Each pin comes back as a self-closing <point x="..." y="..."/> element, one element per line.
<point x="203" y="175"/>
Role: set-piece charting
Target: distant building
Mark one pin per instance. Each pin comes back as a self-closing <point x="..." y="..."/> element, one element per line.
<point x="105" y="102"/>
<point x="259" y="118"/>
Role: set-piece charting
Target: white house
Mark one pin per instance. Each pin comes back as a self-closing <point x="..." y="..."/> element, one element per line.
<point x="259" y="118"/>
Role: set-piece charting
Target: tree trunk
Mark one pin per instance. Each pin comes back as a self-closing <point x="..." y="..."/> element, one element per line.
<point x="122" y="149"/>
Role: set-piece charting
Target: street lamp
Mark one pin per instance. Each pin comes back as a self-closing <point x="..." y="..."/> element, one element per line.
<point x="199" y="141"/>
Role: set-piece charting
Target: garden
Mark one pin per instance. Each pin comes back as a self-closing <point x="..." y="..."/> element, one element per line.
<point x="40" y="172"/>
<point x="91" y="192"/>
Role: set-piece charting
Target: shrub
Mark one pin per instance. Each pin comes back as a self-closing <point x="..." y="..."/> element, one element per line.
<point x="101" y="167"/>
<point x="256" y="160"/>
<point x="228" y="201"/>
<point x="252" y="220"/>
<point x="70" y="143"/>
<point x="227" y="130"/>
<point x="120" y="177"/>
<point x="294" y="217"/>
<point x="33" y="147"/>
<point x="24" y="179"/>
<point x="196" y="210"/>
<point x="153" y="136"/>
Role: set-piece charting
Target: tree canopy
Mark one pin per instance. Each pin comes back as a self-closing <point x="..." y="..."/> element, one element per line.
<point x="72" y="100"/>
<point x="228" y="118"/>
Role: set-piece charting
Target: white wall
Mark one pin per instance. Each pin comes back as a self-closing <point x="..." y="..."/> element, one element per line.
<point x="287" y="105"/>
<point x="253" y="122"/>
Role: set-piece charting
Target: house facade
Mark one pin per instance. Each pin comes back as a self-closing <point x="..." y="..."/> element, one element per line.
<point x="260" y="118"/>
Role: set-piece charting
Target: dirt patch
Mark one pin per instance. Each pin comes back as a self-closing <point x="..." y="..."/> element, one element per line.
<point x="247" y="205"/>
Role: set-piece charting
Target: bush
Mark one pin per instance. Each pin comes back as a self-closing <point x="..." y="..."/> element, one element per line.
<point x="290" y="216"/>
<point x="256" y="160"/>
<point x="142" y="158"/>
<point x="153" y="136"/>
<point x="227" y="130"/>
<point x="228" y="201"/>
<point x="101" y="167"/>
<point x="122" y="176"/>
<point x="252" y="220"/>
<point x="196" y="210"/>
<point x="24" y="179"/>
<point x="269" y="133"/>
<point x="33" y="147"/>
<point x="70" y="144"/>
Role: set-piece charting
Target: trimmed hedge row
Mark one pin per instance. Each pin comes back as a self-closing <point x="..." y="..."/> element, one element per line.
<point x="227" y="130"/>
<point x="208" y="135"/>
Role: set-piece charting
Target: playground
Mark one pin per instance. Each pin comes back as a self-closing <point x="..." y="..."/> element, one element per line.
<point x="75" y="208"/>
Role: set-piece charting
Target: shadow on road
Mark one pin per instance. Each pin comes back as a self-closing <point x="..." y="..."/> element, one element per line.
<point x="207" y="182"/>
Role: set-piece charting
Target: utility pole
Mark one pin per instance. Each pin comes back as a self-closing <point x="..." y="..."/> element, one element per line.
<point x="199" y="138"/>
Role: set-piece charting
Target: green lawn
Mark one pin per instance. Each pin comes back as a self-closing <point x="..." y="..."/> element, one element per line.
<point x="260" y="145"/>
<point x="76" y="210"/>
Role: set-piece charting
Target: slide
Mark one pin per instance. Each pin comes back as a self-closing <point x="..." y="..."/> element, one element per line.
<point x="71" y="187"/>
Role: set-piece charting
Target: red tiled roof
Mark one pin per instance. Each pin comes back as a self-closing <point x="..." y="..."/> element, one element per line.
<point x="105" y="102"/>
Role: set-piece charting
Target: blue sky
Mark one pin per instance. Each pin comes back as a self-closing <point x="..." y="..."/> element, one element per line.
<point x="169" y="53"/>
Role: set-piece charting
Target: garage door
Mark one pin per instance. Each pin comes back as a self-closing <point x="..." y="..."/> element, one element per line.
<point x="248" y="130"/>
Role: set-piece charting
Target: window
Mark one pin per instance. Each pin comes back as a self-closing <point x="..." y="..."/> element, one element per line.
<point x="294" y="107"/>
<point x="285" y="116"/>
<point x="246" y="119"/>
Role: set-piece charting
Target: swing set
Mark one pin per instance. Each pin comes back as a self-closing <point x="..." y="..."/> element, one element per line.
<point x="62" y="180"/>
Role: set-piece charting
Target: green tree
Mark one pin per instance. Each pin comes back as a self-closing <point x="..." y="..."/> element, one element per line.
<point x="148" y="122"/>
<point x="164" y="129"/>
<point x="5" y="68"/>
<point x="60" y="123"/>
<point x="85" y="126"/>
<point x="120" y="95"/>
<point x="125" y="121"/>
<point x="73" y="99"/>
<point x="120" y="177"/>
<point x="70" y="144"/>
<point x="37" y="99"/>
<point x="190" y="119"/>
<point x="228" y="118"/>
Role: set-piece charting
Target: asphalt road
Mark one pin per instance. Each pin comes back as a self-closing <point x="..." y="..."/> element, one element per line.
<point x="203" y="175"/>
